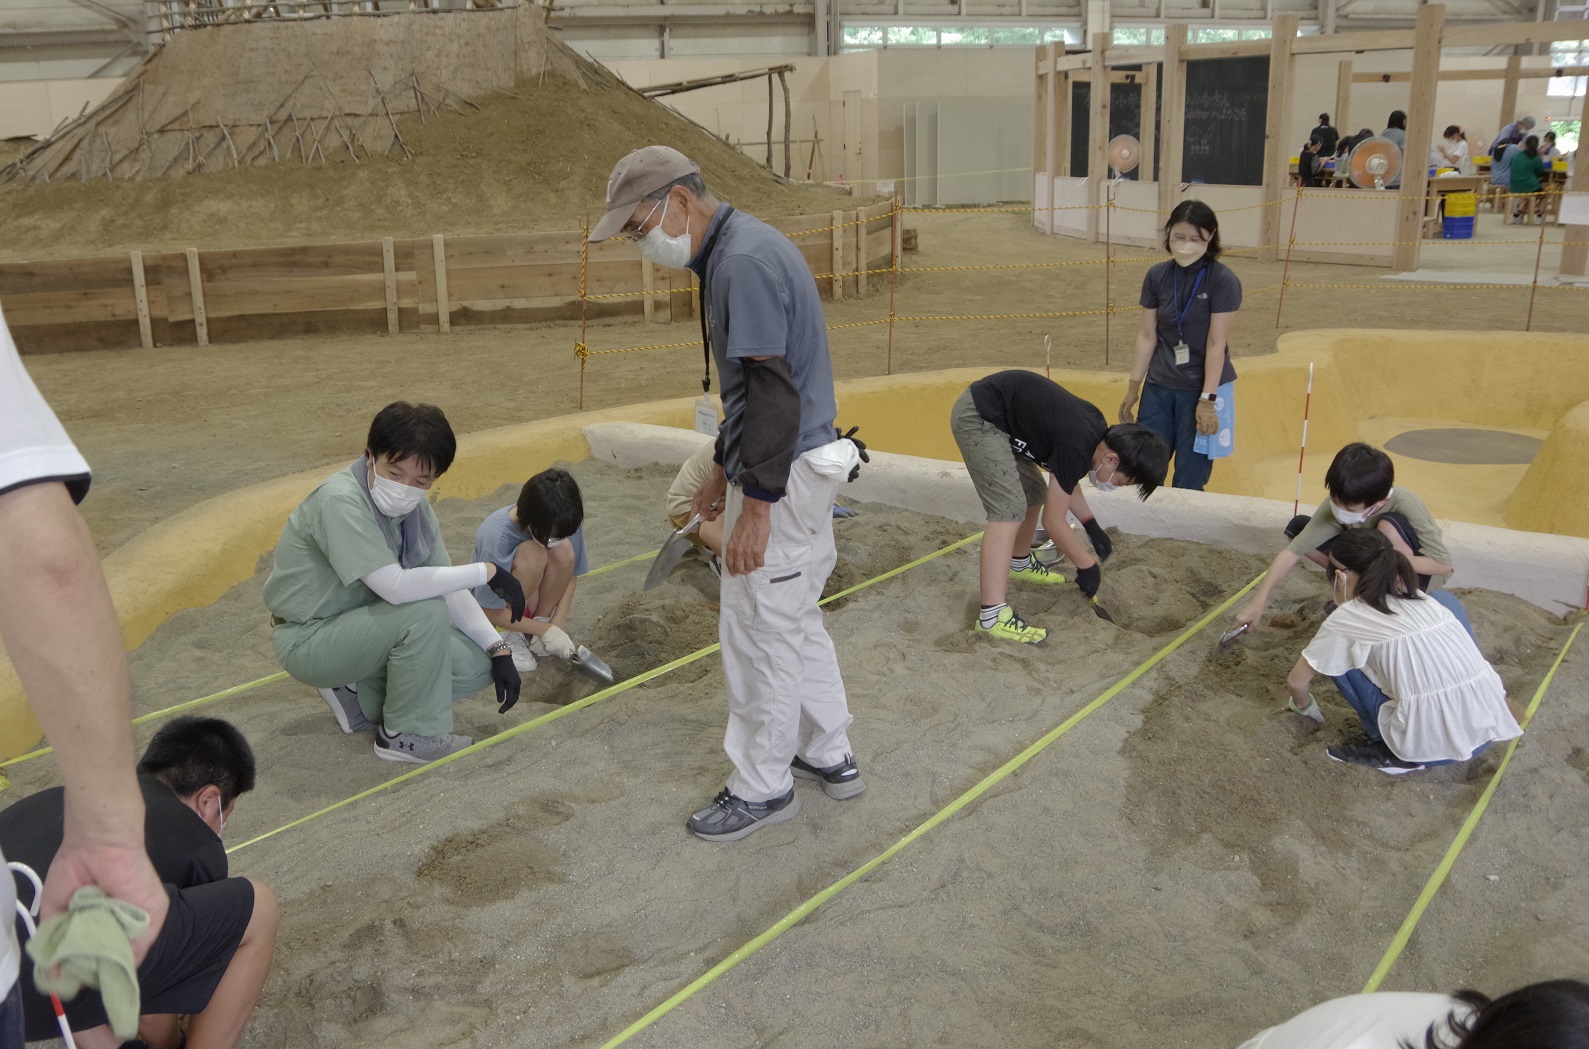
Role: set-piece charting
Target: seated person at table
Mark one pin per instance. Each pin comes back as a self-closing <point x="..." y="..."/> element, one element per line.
<point x="368" y="606"/>
<point x="1362" y="492"/>
<point x="540" y="539"/>
<point x="1310" y="162"/>
<point x="1405" y="660"/>
<point x="213" y="952"/>
<point x="1527" y="168"/>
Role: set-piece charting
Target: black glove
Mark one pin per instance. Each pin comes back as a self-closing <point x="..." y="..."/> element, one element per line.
<point x="505" y="676"/>
<point x="860" y="448"/>
<point x="504" y="585"/>
<point x="1101" y="543"/>
<point x="1088" y="579"/>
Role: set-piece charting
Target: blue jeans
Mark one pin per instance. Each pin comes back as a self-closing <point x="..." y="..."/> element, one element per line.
<point x="1172" y="415"/>
<point x="11" y="1009"/>
<point x="1366" y="697"/>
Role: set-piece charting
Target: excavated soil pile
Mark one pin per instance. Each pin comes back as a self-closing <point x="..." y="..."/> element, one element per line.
<point x="484" y="161"/>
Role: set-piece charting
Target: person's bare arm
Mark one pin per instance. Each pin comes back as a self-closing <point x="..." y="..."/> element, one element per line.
<point x="61" y="633"/>
<point x="1059" y="530"/>
<point x="1219" y="328"/>
<point x="1299" y="681"/>
<point x="1284" y="561"/>
<point x="1422" y="565"/>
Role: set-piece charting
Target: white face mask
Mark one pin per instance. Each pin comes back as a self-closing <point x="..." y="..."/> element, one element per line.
<point x="393" y="498"/>
<point x="1352" y="517"/>
<point x="672" y="252"/>
<point x="1102" y="485"/>
<point x="1187" y="252"/>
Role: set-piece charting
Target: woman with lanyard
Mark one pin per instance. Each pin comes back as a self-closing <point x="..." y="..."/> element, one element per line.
<point x="1182" y="371"/>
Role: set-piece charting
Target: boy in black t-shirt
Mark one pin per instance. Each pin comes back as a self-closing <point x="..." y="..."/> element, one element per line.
<point x="213" y="952"/>
<point x="1007" y="426"/>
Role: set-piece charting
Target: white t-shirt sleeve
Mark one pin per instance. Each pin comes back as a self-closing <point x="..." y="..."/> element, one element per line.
<point x="1364" y="1021"/>
<point x="33" y="445"/>
<point x="1334" y="650"/>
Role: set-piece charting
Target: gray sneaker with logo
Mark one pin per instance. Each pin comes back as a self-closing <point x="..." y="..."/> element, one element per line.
<point x="416" y="749"/>
<point x="730" y="817"/>
<point x="344" y="703"/>
<point x="839" y="781"/>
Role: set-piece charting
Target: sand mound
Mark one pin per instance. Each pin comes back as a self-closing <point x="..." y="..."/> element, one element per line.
<point x="483" y="161"/>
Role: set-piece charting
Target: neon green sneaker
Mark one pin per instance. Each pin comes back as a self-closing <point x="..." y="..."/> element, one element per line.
<point x="1011" y="627"/>
<point x="1037" y="572"/>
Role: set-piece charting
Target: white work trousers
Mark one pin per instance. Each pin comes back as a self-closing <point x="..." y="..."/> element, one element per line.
<point x="785" y="695"/>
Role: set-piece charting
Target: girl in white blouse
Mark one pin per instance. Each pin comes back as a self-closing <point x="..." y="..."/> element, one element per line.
<point x="1405" y="660"/>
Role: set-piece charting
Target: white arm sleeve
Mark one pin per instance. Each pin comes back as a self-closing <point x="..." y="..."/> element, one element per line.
<point x="468" y="616"/>
<point x="401" y="586"/>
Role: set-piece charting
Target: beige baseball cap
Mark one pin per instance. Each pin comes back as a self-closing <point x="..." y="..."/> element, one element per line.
<point x="635" y="177"/>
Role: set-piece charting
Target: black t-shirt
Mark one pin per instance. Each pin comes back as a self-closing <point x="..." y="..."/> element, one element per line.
<point x="184" y="850"/>
<point x="1327" y="134"/>
<point x="1170" y="289"/>
<point x="1046" y="422"/>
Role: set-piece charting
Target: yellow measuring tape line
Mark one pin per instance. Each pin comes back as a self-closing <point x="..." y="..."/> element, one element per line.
<point x="590" y="700"/>
<point x="803" y="911"/>
<point x="268" y="679"/>
<point x="1437" y="879"/>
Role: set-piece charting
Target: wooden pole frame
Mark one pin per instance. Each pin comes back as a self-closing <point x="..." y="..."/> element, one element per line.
<point x="389" y="279"/>
<point x="201" y="322"/>
<point x="140" y="291"/>
<point x="1172" y="120"/>
<point x="1420" y="134"/>
<point x="1276" y="150"/>
<point x="1098" y="135"/>
<point x="438" y="250"/>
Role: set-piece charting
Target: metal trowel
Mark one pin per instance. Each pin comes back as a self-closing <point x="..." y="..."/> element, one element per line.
<point x="673" y="550"/>
<point x="592" y="666"/>
<point x="1099" y="611"/>
<point x="1232" y="634"/>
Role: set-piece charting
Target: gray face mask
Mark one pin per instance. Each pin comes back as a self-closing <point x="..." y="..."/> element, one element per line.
<point x="1101" y="485"/>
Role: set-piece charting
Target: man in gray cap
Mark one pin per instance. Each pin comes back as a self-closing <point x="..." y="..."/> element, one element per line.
<point x="778" y="464"/>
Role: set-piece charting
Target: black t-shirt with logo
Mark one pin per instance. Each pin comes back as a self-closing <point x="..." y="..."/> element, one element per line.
<point x="1172" y="290"/>
<point x="1046" y="422"/>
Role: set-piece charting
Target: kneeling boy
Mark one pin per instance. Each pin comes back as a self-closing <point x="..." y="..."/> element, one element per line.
<point x="1362" y="493"/>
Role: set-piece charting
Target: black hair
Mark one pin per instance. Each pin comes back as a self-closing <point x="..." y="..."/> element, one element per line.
<point x="1324" y="118"/>
<point x="189" y="754"/>
<point x="1531" y="145"/>
<point x="419" y="431"/>
<point x="1359" y="475"/>
<point x="1550" y="135"/>
<point x="1553" y="1014"/>
<point x="1397" y="119"/>
<point x="1451" y="129"/>
<point x="693" y="182"/>
<point x="1382" y="570"/>
<point x="1200" y="215"/>
<point x="1144" y="457"/>
<point x="550" y="506"/>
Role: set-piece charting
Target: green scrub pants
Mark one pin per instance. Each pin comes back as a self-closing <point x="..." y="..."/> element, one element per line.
<point x="409" y="662"/>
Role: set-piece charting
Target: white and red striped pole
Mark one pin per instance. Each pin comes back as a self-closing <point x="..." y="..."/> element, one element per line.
<point x="1307" y="405"/>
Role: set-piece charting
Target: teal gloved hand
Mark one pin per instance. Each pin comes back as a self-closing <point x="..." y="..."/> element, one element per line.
<point x="92" y="945"/>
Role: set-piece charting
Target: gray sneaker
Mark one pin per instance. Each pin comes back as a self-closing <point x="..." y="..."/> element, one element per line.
<point x="416" y="749"/>
<point x="1375" y="756"/>
<point x="344" y="703"/>
<point x="730" y="817"/>
<point x="839" y="781"/>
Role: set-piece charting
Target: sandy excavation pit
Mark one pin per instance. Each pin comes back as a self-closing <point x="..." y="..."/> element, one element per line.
<point x="1181" y="869"/>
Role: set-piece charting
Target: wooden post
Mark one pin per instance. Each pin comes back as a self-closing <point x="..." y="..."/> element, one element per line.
<point x="1051" y="146"/>
<point x="1420" y="133"/>
<point x="438" y="248"/>
<point x="1341" y="118"/>
<point x="389" y="272"/>
<point x="1514" y="65"/>
<point x="860" y="251"/>
<point x="201" y="323"/>
<point x="1172" y="138"/>
<point x="896" y="233"/>
<point x="1575" y="243"/>
<point x="1098" y="134"/>
<point x="838" y="255"/>
<point x="140" y="291"/>
<point x="788" y="115"/>
<point x="648" y="285"/>
<point x="1276" y="140"/>
<point x="769" y="121"/>
<point x="1060" y="129"/>
<point x="1150" y="120"/>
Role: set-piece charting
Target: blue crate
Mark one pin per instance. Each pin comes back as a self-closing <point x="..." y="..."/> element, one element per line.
<point x="1457" y="228"/>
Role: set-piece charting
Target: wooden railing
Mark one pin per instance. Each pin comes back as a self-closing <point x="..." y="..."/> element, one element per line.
<point x="393" y="285"/>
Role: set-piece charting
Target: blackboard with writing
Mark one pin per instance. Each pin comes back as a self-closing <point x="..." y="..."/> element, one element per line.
<point x="1125" y="116"/>
<point x="1227" y="105"/>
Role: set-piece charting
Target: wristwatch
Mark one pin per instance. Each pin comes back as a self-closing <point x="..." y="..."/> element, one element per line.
<point x="1209" y="397"/>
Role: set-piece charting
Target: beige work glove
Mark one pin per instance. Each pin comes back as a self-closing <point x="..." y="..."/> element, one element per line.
<point x="1128" y="407"/>
<point x="1207" y="418"/>
<point x="558" y="643"/>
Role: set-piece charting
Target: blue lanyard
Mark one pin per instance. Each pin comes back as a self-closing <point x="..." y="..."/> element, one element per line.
<point x="1191" y="297"/>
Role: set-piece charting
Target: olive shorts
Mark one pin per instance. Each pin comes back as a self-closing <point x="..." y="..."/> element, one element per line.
<point x="1006" y="483"/>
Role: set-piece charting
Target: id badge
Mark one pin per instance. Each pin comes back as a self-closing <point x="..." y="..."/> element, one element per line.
<point x="706" y="417"/>
<point x="1183" y="354"/>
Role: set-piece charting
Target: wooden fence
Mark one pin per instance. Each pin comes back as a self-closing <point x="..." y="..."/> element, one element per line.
<point x="393" y="285"/>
